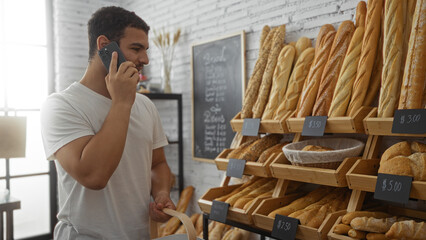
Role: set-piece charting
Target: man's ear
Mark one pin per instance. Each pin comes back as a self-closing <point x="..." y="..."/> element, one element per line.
<point x="102" y="41"/>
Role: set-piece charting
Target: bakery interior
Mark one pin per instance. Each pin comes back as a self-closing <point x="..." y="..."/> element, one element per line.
<point x="285" y="119"/>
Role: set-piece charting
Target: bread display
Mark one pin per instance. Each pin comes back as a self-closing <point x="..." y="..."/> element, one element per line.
<point x="368" y="55"/>
<point x="392" y="58"/>
<point x="414" y="76"/>
<point x="297" y="79"/>
<point x="265" y="87"/>
<point x="280" y="80"/>
<point x="343" y="90"/>
<point x="310" y="87"/>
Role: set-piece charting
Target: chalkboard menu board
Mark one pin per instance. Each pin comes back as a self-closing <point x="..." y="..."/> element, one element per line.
<point x="218" y="79"/>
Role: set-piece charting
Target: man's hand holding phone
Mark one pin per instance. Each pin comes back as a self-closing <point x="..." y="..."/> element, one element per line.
<point x="121" y="82"/>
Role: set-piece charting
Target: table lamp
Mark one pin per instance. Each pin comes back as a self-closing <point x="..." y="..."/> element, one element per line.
<point x="12" y="138"/>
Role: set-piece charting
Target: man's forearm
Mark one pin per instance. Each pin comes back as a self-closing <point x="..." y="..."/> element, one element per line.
<point x="160" y="178"/>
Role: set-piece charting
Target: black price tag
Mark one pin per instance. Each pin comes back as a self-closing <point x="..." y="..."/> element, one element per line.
<point x="285" y="227"/>
<point x="314" y="126"/>
<point x="412" y="121"/>
<point x="219" y="211"/>
<point x="235" y="168"/>
<point x="393" y="188"/>
<point x="251" y="127"/>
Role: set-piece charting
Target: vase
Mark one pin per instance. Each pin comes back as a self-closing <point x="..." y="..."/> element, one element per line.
<point x="165" y="77"/>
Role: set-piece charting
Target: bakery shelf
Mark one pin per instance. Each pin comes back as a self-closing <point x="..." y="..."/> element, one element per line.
<point x="382" y="126"/>
<point x="363" y="176"/>
<point x="234" y="214"/>
<point x="251" y="168"/>
<point x="266" y="126"/>
<point x="261" y="219"/>
<point x="282" y="168"/>
<point x="393" y="210"/>
<point x="348" y="124"/>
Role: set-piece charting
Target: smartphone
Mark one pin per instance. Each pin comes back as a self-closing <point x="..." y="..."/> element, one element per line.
<point x="106" y="54"/>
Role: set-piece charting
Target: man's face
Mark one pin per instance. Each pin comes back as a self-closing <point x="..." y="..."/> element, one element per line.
<point x="134" y="45"/>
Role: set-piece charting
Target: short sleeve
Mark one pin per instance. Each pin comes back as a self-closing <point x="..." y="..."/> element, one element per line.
<point x="159" y="137"/>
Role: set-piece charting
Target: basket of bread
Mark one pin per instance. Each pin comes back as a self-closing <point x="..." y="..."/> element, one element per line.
<point x="323" y="153"/>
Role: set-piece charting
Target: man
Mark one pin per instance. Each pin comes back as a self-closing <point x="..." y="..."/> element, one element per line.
<point x="107" y="140"/>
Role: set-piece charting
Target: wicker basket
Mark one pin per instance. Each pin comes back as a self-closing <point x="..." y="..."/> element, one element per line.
<point x="343" y="148"/>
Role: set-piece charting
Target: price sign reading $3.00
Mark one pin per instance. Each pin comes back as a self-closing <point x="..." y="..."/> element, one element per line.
<point x="285" y="227"/>
<point x="393" y="188"/>
<point x="410" y="121"/>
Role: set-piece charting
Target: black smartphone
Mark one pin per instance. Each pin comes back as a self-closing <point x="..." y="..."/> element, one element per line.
<point x="106" y="54"/>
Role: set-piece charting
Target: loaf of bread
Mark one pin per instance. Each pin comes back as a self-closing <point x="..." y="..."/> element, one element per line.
<point x="347" y="218"/>
<point x="343" y="91"/>
<point x="265" y="87"/>
<point x="235" y="153"/>
<point x="368" y="55"/>
<point x="371" y="224"/>
<point x="407" y="229"/>
<point x="194" y="217"/>
<point x="233" y="198"/>
<point x="280" y="80"/>
<point x="265" y="31"/>
<point x="199" y="225"/>
<point x="392" y="58"/>
<point x="342" y="229"/>
<point x="268" y="186"/>
<point x="418" y="147"/>
<point x="310" y="87"/>
<point x="376" y="236"/>
<point x="408" y="23"/>
<point x="302" y="44"/>
<point x="277" y="148"/>
<point x="316" y="148"/>
<point x="332" y="68"/>
<point x="242" y="187"/>
<point x="361" y="11"/>
<point x="418" y="165"/>
<point x="295" y="84"/>
<point x="250" y="96"/>
<point x="413" y="166"/>
<point x="401" y="148"/>
<point x="254" y="150"/>
<point x="414" y="76"/>
<point x="356" y="234"/>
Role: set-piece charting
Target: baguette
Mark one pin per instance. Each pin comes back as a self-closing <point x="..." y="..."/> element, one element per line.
<point x="368" y="55"/>
<point x="237" y="151"/>
<point x="265" y="31"/>
<point x="280" y="80"/>
<point x="310" y="87"/>
<point x="277" y="148"/>
<point x="392" y="58"/>
<point x="297" y="79"/>
<point x="193" y="219"/>
<point x="407" y="229"/>
<point x="376" y="236"/>
<point x="342" y="229"/>
<point x="265" y="87"/>
<point x="343" y="90"/>
<point x="232" y="199"/>
<point x="256" y="77"/>
<point x="408" y="23"/>
<point x="254" y="150"/>
<point x="356" y="234"/>
<point x="371" y="224"/>
<point x="199" y="225"/>
<point x="347" y="218"/>
<point x="361" y="11"/>
<point x="319" y="217"/>
<point x="302" y="44"/>
<point x="413" y="82"/>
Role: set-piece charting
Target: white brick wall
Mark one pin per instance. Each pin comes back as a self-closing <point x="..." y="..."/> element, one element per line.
<point x="200" y="21"/>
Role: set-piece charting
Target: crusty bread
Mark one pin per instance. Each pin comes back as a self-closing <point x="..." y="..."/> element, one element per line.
<point x="310" y="87"/>
<point x="399" y="165"/>
<point x="408" y="229"/>
<point x="356" y="234"/>
<point x="371" y="224"/>
<point x="254" y="150"/>
<point x="250" y="96"/>
<point x="418" y="147"/>
<point x="408" y="23"/>
<point x="414" y="77"/>
<point x="392" y="58"/>
<point x="315" y="148"/>
<point x="368" y="55"/>
<point x="376" y="236"/>
<point x="302" y="44"/>
<point x="235" y="153"/>
<point x="401" y="148"/>
<point x="343" y="90"/>
<point x="292" y="43"/>
<point x="277" y="148"/>
<point x="280" y="80"/>
<point x="342" y="229"/>
<point x="295" y="84"/>
<point x="361" y="11"/>
<point x="418" y="165"/>
<point x="265" y="87"/>
<point x="347" y="218"/>
<point x="265" y="31"/>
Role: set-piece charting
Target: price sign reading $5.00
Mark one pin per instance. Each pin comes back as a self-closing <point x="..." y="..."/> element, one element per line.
<point x="285" y="227"/>
<point x="410" y="121"/>
<point x="314" y="126"/>
<point x="393" y="188"/>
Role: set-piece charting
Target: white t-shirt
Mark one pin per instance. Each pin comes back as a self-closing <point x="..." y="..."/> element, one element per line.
<point x="121" y="209"/>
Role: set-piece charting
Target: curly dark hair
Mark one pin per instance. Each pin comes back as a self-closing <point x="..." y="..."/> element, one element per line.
<point x="111" y="21"/>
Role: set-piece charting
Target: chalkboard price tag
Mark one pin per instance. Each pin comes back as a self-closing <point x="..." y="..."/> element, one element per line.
<point x="235" y="168"/>
<point x="412" y="121"/>
<point x="285" y="227"/>
<point x="314" y="126"/>
<point x="219" y="211"/>
<point x="251" y="127"/>
<point x="393" y="188"/>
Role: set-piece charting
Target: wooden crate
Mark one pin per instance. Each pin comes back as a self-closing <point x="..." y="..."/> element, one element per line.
<point x="261" y="219"/>
<point x="234" y="214"/>
<point x="382" y="126"/>
<point x="251" y="168"/>
<point x="282" y="168"/>
<point x="266" y="126"/>
<point x="393" y="210"/>
<point x="363" y="176"/>
<point x="348" y="124"/>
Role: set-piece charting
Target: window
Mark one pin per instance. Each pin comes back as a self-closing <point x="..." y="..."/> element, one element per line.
<point x="25" y="48"/>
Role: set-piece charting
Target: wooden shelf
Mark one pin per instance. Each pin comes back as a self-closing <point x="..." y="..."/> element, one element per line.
<point x="266" y="126"/>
